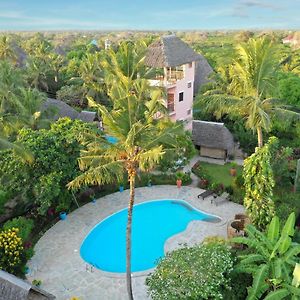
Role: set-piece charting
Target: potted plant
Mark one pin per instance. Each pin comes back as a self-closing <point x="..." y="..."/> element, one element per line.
<point x="121" y="187"/>
<point x="232" y="170"/>
<point x="203" y="183"/>
<point x="62" y="209"/>
<point x="179" y="176"/>
<point x="37" y="282"/>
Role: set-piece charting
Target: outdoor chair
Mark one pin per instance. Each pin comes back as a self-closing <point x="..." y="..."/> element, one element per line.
<point x="217" y="200"/>
<point x="206" y="194"/>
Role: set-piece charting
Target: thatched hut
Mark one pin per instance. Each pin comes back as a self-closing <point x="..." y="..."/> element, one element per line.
<point x="213" y="139"/>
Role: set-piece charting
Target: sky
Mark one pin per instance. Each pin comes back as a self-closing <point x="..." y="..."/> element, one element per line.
<point x="148" y="14"/>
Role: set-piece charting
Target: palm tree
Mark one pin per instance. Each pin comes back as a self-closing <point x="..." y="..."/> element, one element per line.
<point x="125" y="65"/>
<point x="37" y="73"/>
<point x="11" y="80"/>
<point x="91" y="74"/>
<point x="31" y="115"/>
<point x="6" y="50"/>
<point x="248" y="92"/>
<point x="139" y="148"/>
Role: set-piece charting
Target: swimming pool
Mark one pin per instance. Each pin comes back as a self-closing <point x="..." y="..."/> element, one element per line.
<point x="153" y="223"/>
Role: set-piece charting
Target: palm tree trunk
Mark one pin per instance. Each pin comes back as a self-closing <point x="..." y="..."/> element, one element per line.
<point x="259" y="137"/>
<point x="128" y="234"/>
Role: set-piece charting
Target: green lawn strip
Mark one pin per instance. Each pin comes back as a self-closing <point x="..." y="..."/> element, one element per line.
<point x="220" y="173"/>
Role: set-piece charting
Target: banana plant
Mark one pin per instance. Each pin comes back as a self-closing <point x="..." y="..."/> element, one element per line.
<point x="272" y="261"/>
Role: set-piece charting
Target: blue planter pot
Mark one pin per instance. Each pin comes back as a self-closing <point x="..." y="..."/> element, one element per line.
<point x="94" y="200"/>
<point x="63" y="215"/>
<point x="121" y="188"/>
<point x="149" y="183"/>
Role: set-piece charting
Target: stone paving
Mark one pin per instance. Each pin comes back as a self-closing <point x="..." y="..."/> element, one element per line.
<point x="57" y="262"/>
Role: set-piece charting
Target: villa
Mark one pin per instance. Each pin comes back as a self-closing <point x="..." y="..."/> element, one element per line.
<point x="180" y="70"/>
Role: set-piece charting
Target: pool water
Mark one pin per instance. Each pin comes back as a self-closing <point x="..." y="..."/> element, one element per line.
<point x="111" y="139"/>
<point x="153" y="223"/>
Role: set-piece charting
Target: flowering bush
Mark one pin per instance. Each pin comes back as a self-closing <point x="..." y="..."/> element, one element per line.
<point x="199" y="272"/>
<point x="12" y="253"/>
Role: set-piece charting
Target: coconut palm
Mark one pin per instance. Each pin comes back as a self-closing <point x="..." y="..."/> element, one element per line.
<point x="125" y="65"/>
<point x="91" y="74"/>
<point x="31" y="115"/>
<point x="11" y="80"/>
<point x="37" y="70"/>
<point x="248" y="92"/>
<point x="6" y="50"/>
<point x="141" y="139"/>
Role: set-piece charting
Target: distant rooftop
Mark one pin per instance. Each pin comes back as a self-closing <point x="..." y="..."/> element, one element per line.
<point x="61" y="109"/>
<point x="170" y="51"/>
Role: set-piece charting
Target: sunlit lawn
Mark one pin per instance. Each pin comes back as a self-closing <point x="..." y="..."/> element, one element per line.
<point x="220" y="173"/>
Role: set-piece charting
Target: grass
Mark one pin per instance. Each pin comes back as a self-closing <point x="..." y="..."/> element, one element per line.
<point x="219" y="173"/>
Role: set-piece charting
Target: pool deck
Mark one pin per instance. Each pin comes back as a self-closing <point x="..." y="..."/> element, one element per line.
<point x="57" y="262"/>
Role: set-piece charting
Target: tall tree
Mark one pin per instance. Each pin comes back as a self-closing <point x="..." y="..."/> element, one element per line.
<point x="6" y="50"/>
<point x="250" y="88"/>
<point x="125" y="65"/>
<point x="140" y="147"/>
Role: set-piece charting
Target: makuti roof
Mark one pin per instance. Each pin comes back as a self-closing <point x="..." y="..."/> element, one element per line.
<point x="59" y="109"/>
<point x="212" y="135"/>
<point x="170" y="51"/>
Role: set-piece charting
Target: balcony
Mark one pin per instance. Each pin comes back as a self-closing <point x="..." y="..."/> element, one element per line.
<point x="172" y="76"/>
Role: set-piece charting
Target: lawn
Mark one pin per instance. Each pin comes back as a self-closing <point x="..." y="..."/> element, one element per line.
<point x="219" y="173"/>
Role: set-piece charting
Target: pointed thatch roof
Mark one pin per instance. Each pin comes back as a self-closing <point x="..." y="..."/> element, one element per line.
<point x="202" y="72"/>
<point x="59" y="109"/>
<point x="14" y="288"/>
<point x="212" y="135"/>
<point x="170" y="51"/>
<point x="87" y="116"/>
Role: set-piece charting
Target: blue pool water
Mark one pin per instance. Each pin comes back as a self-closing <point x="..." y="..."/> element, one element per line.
<point x="153" y="223"/>
<point x="111" y="139"/>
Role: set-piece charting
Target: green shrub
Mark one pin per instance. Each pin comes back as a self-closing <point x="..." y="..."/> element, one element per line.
<point x="12" y="253"/>
<point x="3" y="200"/>
<point x="24" y="225"/>
<point x="199" y="272"/>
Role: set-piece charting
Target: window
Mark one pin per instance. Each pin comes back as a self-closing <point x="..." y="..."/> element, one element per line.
<point x="180" y="96"/>
<point x="190" y="65"/>
<point x="189" y="85"/>
<point x="189" y="111"/>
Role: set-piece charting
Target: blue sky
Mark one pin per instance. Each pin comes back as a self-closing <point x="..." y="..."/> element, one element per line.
<point x="148" y="14"/>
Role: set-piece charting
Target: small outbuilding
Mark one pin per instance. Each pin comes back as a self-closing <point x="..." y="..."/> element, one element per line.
<point x="213" y="139"/>
<point x="14" y="288"/>
<point x="59" y="109"/>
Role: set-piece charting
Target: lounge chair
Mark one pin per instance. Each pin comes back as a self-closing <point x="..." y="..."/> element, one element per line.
<point x="206" y="194"/>
<point x="217" y="200"/>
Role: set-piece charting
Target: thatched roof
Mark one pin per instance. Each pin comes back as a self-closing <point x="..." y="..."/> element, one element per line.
<point x="202" y="72"/>
<point x="212" y="135"/>
<point x="170" y="51"/>
<point x="14" y="288"/>
<point x="21" y="55"/>
<point x="59" y="109"/>
<point x="87" y="116"/>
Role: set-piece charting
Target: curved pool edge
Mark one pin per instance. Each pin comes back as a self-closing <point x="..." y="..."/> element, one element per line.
<point x="148" y="271"/>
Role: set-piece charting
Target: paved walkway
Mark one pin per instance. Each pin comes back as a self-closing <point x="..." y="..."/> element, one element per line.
<point x="57" y="262"/>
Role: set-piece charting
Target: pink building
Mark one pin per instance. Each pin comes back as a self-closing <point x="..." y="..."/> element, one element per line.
<point x="175" y="69"/>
